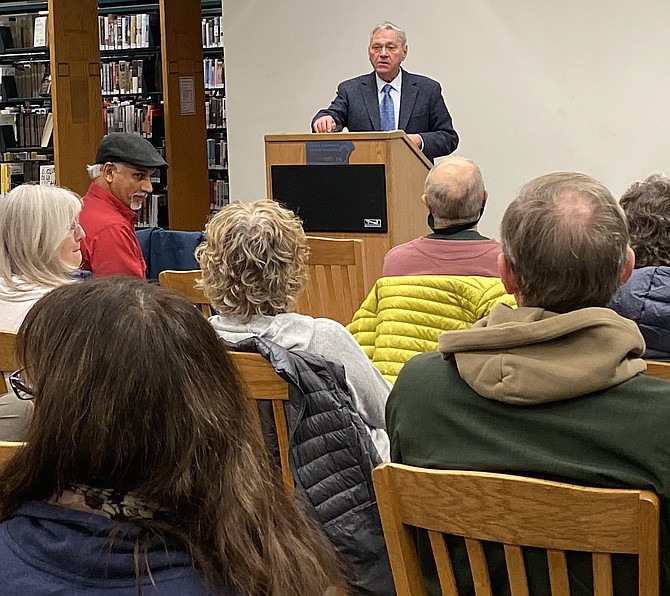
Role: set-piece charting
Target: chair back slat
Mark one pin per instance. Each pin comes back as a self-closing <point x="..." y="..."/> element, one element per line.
<point x="602" y="574"/>
<point x="264" y="384"/>
<point x="445" y="569"/>
<point x="558" y="573"/>
<point x="516" y="571"/>
<point x="7" y="450"/>
<point x="478" y="567"/>
<point x="183" y="283"/>
<point x="335" y="288"/>
<point x="658" y="369"/>
<point x="515" y="512"/>
<point x="7" y="358"/>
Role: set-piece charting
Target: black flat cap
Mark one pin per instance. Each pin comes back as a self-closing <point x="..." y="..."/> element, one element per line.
<point x="129" y="148"/>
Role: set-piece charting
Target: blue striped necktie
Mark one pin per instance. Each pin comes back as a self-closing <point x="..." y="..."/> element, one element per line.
<point x="386" y="113"/>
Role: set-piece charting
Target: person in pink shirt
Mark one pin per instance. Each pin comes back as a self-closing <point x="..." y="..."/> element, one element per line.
<point x="455" y="197"/>
<point x="121" y="183"/>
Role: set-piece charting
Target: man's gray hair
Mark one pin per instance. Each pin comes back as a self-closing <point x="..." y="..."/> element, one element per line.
<point x="565" y="239"/>
<point x="458" y="198"/>
<point x="647" y="207"/>
<point x="95" y="170"/>
<point x="389" y="26"/>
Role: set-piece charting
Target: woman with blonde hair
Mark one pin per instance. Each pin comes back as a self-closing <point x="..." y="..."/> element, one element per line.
<point x="254" y="266"/>
<point x="39" y="246"/>
<point x="142" y="472"/>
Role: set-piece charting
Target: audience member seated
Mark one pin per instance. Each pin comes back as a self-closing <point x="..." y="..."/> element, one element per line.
<point x="254" y="265"/>
<point x="142" y="472"/>
<point x="40" y="231"/>
<point x="552" y="388"/>
<point x="645" y="297"/>
<point x="455" y="197"/>
<point x="404" y="316"/>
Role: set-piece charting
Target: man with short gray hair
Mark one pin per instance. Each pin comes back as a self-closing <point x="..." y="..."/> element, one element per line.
<point x="121" y="183"/>
<point x="551" y="389"/>
<point x="391" y="98"/>
<point x="455" y="197"/>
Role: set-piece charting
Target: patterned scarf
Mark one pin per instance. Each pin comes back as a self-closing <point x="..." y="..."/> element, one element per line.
<point x="108" y="502"/>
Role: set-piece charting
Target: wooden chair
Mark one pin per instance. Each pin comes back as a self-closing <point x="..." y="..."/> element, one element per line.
<point x="514" y="511"/>
<point x="183" y="283"/>
<point x="265" y="384"/>
<point x="335" y="288"/>
<point x="7" y="450"/>
<point x="7" y="360"/>
<point x="8" y="364"/>
<point x="658" y="369"/>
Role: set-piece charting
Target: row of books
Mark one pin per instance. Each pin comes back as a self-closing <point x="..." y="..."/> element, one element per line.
<point x="219" y="195"/>
<point x="212" y="32"/>
<point x="128" y="31"/>
<point x="24" y="156"/>
<point x="150" y="213"/>
<point x="123" y="76"/>
<point x="217" y="153"/>
<point x="25" y="126"/>
<point x="142" y="118"/>
<point x="213" y="73"/>
<point x="215" y="112"/>
<point x="25" y="79"/>
<point x="14" y="174"/>
<point x="24" y="31"/>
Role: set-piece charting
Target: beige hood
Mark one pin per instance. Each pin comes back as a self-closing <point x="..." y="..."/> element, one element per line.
<point x="530" y="355"/>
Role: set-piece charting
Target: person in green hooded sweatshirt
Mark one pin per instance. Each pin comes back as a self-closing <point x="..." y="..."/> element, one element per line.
<point x="552" y="389"/>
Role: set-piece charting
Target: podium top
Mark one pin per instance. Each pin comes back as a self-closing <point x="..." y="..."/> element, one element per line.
<point x="349" y="136"/>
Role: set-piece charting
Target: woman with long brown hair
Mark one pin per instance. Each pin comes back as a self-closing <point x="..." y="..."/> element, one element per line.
<point x="142" y="472"/>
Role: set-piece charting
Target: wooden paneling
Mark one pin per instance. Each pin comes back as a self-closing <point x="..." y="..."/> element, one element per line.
<point x="75" y="89"/>
<point x="185" y="134"/>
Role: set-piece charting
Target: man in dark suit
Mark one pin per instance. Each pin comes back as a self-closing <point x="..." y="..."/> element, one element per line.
<point x="391" y="98"/>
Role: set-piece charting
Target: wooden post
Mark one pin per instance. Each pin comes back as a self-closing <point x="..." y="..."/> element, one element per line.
<point x="184" y="96"/>
<point x="75" y="89"/>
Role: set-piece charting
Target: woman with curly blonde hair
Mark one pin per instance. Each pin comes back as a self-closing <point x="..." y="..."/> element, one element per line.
<point x="254" y="266"/>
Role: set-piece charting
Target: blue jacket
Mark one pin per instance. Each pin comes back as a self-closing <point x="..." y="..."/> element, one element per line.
<point x="645" y="299"/>
<point x="49" y="550"/>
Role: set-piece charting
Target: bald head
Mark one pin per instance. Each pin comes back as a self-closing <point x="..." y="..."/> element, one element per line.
<point x="565" y="240"/>
<point x="454" y="192"/>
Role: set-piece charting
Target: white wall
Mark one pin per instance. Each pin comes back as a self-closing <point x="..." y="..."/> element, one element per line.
<point x="532" y="86"/>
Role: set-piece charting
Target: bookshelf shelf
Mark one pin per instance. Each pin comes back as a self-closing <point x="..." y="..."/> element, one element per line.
<point x="12" y="55"/>
<point x="131" y="53"/>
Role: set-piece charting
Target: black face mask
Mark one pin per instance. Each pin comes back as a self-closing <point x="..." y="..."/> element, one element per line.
<point x="453" y="229"/>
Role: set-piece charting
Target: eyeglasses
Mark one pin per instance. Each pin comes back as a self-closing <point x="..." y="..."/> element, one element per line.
<point x="21" y="390"/>
<point x="390" y="48"/>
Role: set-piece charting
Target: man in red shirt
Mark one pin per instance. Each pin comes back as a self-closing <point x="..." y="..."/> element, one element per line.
<point x="121" y="183"/>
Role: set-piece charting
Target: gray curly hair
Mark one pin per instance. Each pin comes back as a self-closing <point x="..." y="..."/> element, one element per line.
<point x="254" y="259"/>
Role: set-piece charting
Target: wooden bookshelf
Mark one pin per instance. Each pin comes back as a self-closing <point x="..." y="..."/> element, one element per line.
<point x="75" y="89"/>
<point x="184" y="96"/>
<point x="74" y="55"/>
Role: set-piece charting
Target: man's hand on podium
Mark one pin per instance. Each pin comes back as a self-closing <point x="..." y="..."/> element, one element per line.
<point x="325" y="124"/>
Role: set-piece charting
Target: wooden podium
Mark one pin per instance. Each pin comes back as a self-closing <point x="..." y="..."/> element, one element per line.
<point x="402" y="175"/>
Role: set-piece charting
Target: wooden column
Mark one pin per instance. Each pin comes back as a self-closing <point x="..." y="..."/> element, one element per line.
<point x="184" y="95"/>
<point x="75" y="89"/>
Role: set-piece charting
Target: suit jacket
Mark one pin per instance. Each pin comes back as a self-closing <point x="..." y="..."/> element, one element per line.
<point x="422" y="111"/>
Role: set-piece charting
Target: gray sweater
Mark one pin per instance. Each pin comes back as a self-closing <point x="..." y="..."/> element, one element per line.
<point x="331" y="340"/>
